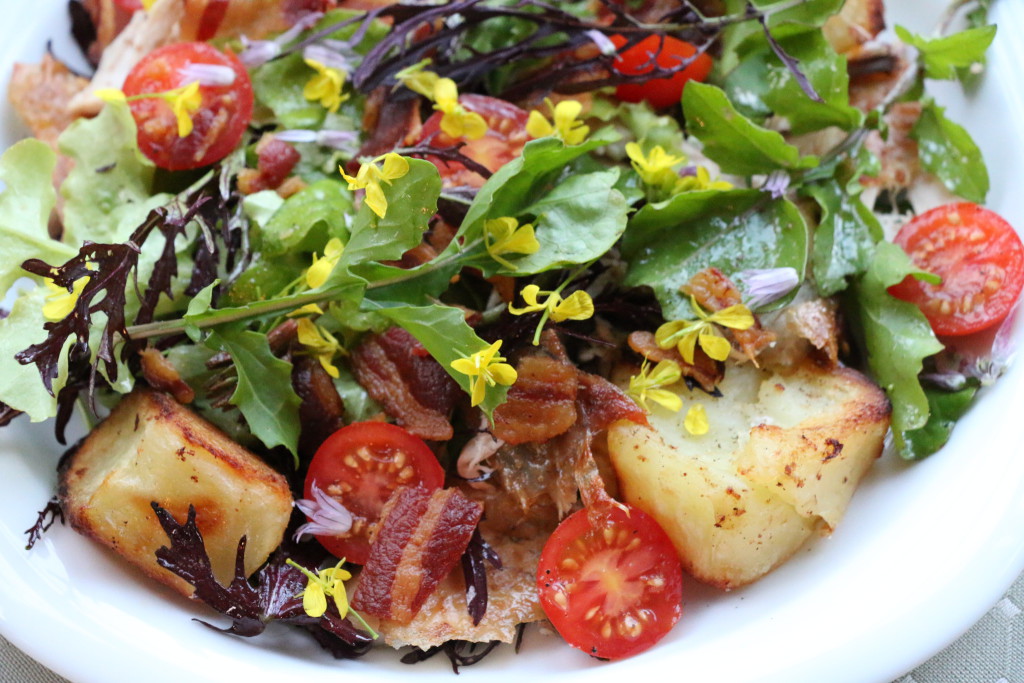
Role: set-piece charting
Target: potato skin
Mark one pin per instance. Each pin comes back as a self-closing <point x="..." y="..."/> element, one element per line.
<point x="781" y="461"/>
<point x="151" y="448"/>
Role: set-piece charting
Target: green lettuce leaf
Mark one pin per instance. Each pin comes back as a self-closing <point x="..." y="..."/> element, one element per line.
<point x="109" y="191"/>
<point x="845" y="238"/>
<point x="735" y="230"/>
<point x="26" y="172"/>
<point x="944" y="409"/>
<point x="20" y="387"/>
<point x="948" y="151"/>
<point x="732" y="140"/>
<point x="264" y="394"/>
<point x="307" y="220"/>
<point x="897" y="338"/>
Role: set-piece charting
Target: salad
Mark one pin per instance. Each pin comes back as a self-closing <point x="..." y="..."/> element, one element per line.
<point x="514" y="265"/>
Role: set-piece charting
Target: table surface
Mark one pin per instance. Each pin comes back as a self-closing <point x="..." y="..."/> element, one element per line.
<point x="992" y="651"/>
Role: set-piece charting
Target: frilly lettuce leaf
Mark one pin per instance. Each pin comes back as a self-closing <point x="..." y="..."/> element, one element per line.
<point x="20" y="387"/>
<point x="896" y="337"/>
<point x="26" y="171"/>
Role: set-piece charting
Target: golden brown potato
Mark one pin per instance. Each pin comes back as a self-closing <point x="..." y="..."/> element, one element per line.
<point x="781" y="460"/>
<point x="856" y="23"/>
<point x="152" y="448"/>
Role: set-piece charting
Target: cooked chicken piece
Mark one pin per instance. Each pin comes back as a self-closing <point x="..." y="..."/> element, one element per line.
<point x="153" y="449"/>
<point x="781" y="460"/>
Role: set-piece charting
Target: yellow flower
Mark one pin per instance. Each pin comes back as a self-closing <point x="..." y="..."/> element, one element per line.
<point x="696" y="421"/>
<point x="565" y="124"/>
<point x="418" y="79"/>
<point x="648" y="385"/>
<point x="59" y="301"/>
<point x="325" y="86"/>
<point x="578" y="306"/>
<point x="321" y="344"/>
<point x="701" y="181"/>
<point x="485" y="368"/>
<point x="457" y="122"/>
<point x="505" y="236"/>
<point x="686" y="334"/>
<point x="321" y="269"/>
<point x="321" y="585"/>
<point x="184" y="102"/>
<point x="110" y="95"/>
<point x="370" y="176"/>
<point x="654" y="168"/>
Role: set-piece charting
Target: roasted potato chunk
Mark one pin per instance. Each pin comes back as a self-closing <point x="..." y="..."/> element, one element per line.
<point x="151" y="448"/>
<point x="856" y="23"/>
<point x="781" y="460"/>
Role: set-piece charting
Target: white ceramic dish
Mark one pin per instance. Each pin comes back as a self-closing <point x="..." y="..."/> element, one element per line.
<point x="923" y="552"/>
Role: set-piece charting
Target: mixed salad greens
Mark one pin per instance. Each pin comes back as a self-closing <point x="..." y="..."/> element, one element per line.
<point x="507" y="167"/>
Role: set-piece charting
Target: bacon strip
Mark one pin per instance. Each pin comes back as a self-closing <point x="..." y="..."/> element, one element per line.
<point x="541" y="404"/>
<point x="399" y="374"/>
<point x="322" y="410"/>
<point x="419" y="540"/>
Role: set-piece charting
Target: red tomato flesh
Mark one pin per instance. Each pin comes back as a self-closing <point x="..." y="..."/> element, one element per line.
<point x="218" y="124"/>
<point x="980" y="259"/>
<point x="610" y="581"/>
<point x="506" y="135"/>
<point x="658" y="92"/>
<point x="360" y="466"/>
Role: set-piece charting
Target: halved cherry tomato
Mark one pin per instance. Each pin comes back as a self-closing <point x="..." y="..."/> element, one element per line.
<point x="361" y="465"/>
<point x="218" y="124"/>
<point x="658" y="92"/>
<point x="506" y="135"/>
<point x="610" y="581"/>
<point x="980" y="259"/>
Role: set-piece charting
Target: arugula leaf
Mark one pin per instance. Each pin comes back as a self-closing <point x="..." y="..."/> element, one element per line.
<point x="845" y="238"/>
<point x="896" y="337"/>
<point x="358" y="404"/>
<point x="667" y="243"/>
<point x="264" y="394"/>
<point x="577" y="222"/>
<point x="945" y="57"/>
<point x="444" y="333"/>
<point x="732" y="140"/>
<point x="26" y="172"/>
<point x="307" y="220"/>
<point x="199" y="304"/>
<point x="20" y="387"/>
<point x="108" y="192"/>
<point x="944" y="409"/>
<point x="948" y="151"/>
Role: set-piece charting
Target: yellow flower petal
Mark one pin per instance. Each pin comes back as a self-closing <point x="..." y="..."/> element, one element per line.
<point x="485" y="367"/>
<point x="579" y="306"/>
<point x="110" y="95"/>
<point x="696" y="421"/>
<point x="736" y="317"/>
<point x="418" y="79"/>
<point x="314" y="600"/>
<point x="716" y="347"/>
<point x="666" y="399"/>
<point x="308" y="309"/>
<point x="503" y="374"/>
<point x="687" y="345"/>
<point x="325" y="86"/>
<point x="395" y="166"/>
<point x="537" y="126"/>
<point x="376" y="200"/>
<point x="59" y="301"/>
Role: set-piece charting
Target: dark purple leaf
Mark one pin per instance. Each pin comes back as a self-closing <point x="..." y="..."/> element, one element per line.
<point x="459" y="653"/>
<point x="45" y="519"/>
<point x="7" y="414"/>
<point x="475" y="574"/>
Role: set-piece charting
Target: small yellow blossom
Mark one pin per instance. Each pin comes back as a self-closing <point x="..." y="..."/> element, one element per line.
<point x="647" y="385"/>
<point x="370" y="176"/>
<point x="457" y="121"/>
<point x="184" y="102"/>
<point x="578" y="306"/>
<point x="654" y="168"/>
<point x="686" y="334"/>
<point x="696" y="421"/>
<point x="321" y="585"/>
<point x="565" y="125"/>
<point x="505" y="236"/>
<point x="418" y="79"/>
<point x="325" y="86"/>
<point x="701" y="181"/>
<point x="59" y="301"/>
<point x="321" y="269"/>
<point x="110" y="95"/>
<point x="485" y="368"/>
<point x="320" y="343"/>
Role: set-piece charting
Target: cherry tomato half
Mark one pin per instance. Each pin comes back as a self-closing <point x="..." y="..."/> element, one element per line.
<point x="506" y="135"/>
<point x="658" y="92"/>
<point x="980" y="259"/>
<point x="218" y="124"/>
<point x="361" y="465"/>
<point x="610" y="581"/>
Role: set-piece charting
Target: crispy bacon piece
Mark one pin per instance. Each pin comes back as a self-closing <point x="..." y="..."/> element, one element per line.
<point x="161" y="374"/>
<point x="541" y="404"/>
<point x="401" y="375"/>
<point x="705" y="371"/>
<point x="390" y="122"/>
<point x="274" y="163"/>
<point x="40" y="94"/>
<point x="714" y="292"/>
<point x="321" y="412"/>
<point x="807" y="328"/>
<point x="419" y="540"/>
